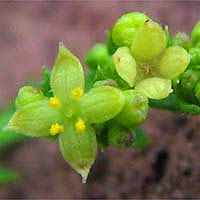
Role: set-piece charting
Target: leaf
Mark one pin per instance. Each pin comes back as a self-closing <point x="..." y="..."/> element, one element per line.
<point x="35" y="119"/>
<point x="141" y="140"/>
<point x="45" y="82"/>
<point x="169" y="103"/>
<point x="78" y="149"/>
<point x="7" y="176"/>
<point x="67" y="74"/>
<point x="8" y="138"/>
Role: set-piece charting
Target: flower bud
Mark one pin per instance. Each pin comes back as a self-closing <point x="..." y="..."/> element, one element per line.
<point x="78" y="149"/>
<point x="26" y="95"/>
<point x="149" y="42"/>
<point x="195" y="56"/>
<point x="197" y="91"/>
<point x="183" y="40"/>
<point x="196" y="33"/>
<point x="120" y="137"/>
<point x="135" y="109"/>
<point x="173" y="62"/>
<point x="125" y="65"/>
<point x="126" y="27"/>
<point x="102" y="104"/>
<point x="98" y="55"/>
<point x="188" y="81"/>
<point x="155" y="88"/>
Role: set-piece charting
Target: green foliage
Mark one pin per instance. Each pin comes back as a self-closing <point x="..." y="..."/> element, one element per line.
<point x="45" y="82"/>
<point x="7" y="176"/>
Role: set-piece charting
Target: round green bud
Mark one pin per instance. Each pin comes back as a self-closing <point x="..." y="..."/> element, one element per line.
<point x="120" y="137"/>
<point x="134" y="111"/>
<point x="197" y="91"/>
<point x="188" y="81"/>
<point x="183" y="40"/>
<point x="26" y="95"/>
<point x="98" y="55"/>
<point x="173" y="62"/>
<point x="149" y="42"/>
<point x="196" y="32"/>
<point x="126" y="27"/>
<point x="125" y="65"/>
<point x="195" y="56"/>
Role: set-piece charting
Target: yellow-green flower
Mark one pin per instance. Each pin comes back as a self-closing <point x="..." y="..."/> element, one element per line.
<point x="69" y="113"/>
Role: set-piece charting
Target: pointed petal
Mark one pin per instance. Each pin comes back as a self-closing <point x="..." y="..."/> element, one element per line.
<point x="67" y="74"/>
<point x="79" y="149"/>
<point x="35" y="119"/>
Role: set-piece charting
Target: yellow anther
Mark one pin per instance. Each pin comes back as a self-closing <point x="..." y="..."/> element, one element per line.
<point x="77" y="93"/>
<point x="54" y="102"/>
<point x="80" y="126"/>
<point x="56" y="128"/>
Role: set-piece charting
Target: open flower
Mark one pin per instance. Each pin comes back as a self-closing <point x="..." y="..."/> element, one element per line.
<point x="69" y="113"/>
<point x="148" y="64"/>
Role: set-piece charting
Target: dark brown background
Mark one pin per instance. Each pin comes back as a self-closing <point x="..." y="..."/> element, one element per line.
<point x="29" y="35"/>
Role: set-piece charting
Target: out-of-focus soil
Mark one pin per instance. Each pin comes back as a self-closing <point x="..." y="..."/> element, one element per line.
<point x="29" y="34"/>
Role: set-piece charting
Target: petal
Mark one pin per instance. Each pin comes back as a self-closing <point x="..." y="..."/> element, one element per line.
<point x="79" y="149"/>
<point x="102" y="104"/>
<point x="149" y="42"/>
<point x="125" y="65"/>
<point x="67" y="74"/>
<point x="35" y="119"/>
<point x="155" y="88"/>
<point x="173" y="62"/>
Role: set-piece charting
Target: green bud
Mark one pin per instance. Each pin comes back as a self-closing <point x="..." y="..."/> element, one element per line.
<point x="173" y="62"/>
<point x="97" y="56"/>
<point x="188" y="81"/>
<point x="108" y="82"/>
<point x="26" y="95"/>
<point x="120" y="137"/>
<point x="67" y="74"/>
<point x="78" y="149"/>
<point x="183" y="40"/>
<point x="155" y="88"/>
<point x="125" y="65"/>
<point x="195" y="56"/>
<point x="149" y="42"/>
<point x="197" y="91"/>
<point x="196" y="32"/>
<point x="135" y="109"/>
<point x="126" y="27"/>
<point x="102" y="104"/>
<point x="35" y="119"/>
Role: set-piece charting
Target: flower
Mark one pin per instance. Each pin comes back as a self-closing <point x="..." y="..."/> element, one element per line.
<point x="148" y="64"/>
<point x="69" y="114"/>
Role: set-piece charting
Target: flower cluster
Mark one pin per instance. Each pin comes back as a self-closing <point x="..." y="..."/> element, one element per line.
<point x="136" y="65"/>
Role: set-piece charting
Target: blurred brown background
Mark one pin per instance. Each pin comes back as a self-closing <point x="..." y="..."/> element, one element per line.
<point x="29" y="35"/>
